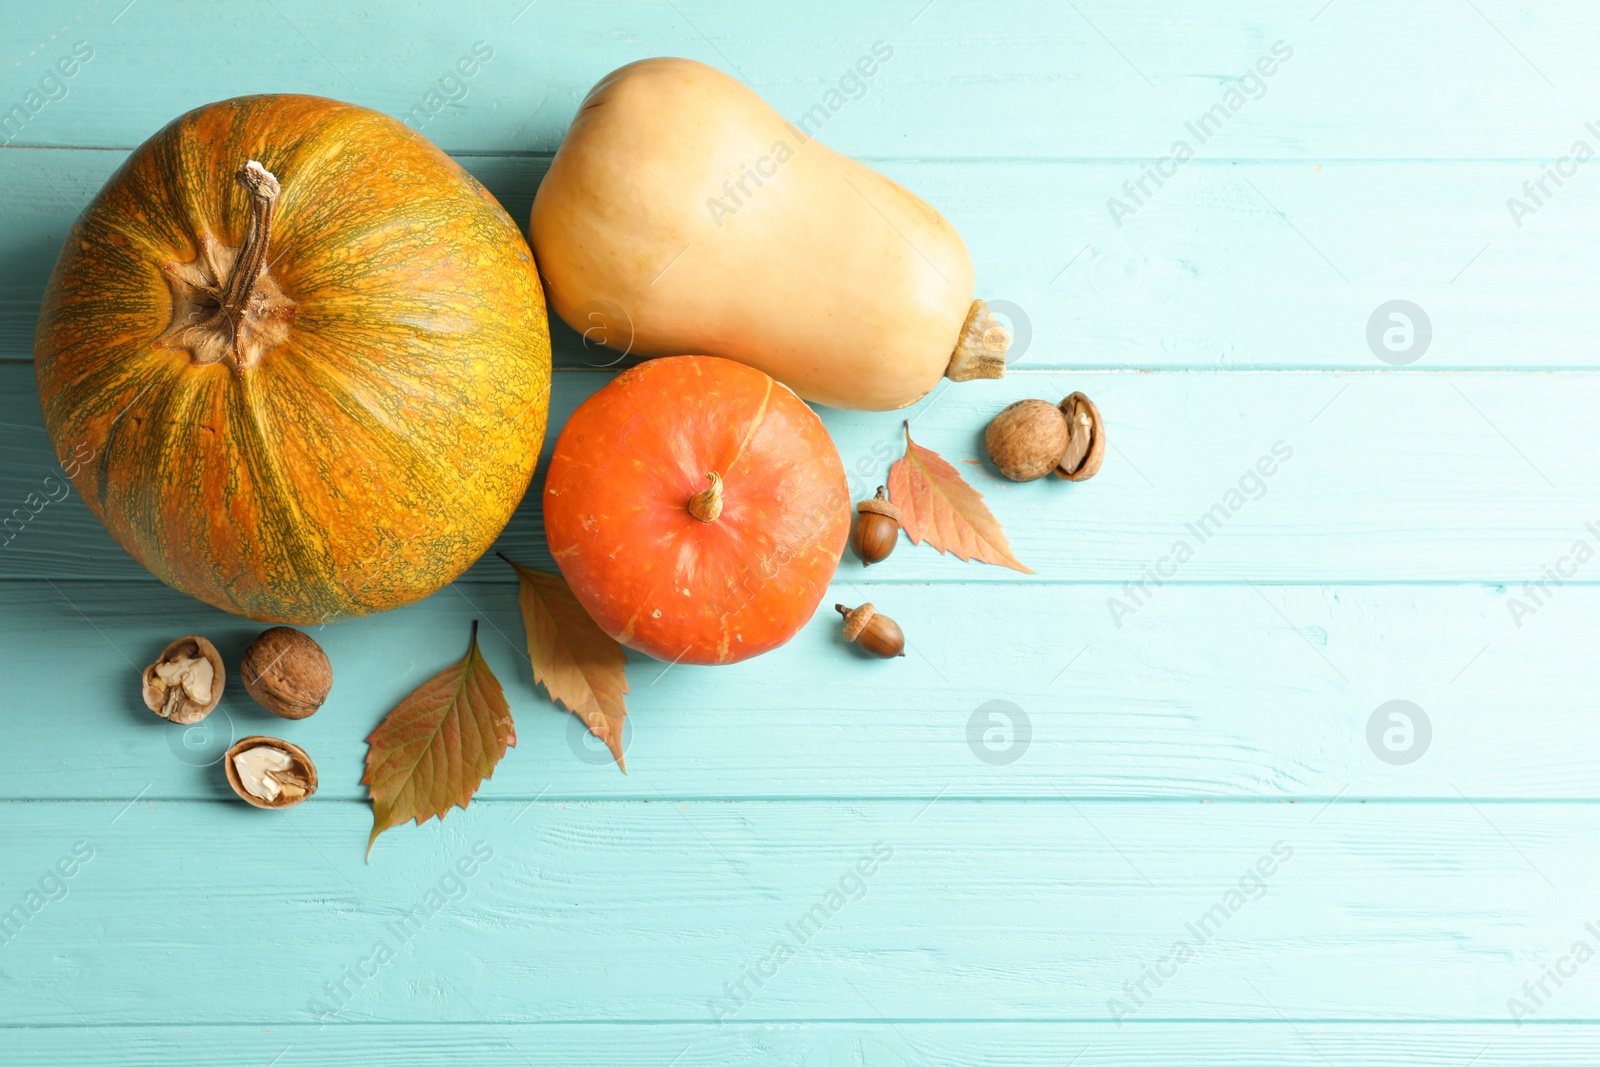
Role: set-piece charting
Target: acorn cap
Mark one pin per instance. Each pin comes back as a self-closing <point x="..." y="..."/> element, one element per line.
<point x="879" y="505"/>
<point x="855" y="620"/>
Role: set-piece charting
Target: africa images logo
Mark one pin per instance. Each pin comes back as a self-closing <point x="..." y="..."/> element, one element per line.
<point x="1537" y="192"/>
<point x="1199" y="932"/>
<point x="852" y="85"/>
<point x="1251" y="485"/>
<point x="1251" y="85"/>
<point x="1538" y="592"/>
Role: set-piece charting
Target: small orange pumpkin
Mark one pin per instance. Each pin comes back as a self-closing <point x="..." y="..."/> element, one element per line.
<point x="697" y="508"/>
<point x="307" y="355"/>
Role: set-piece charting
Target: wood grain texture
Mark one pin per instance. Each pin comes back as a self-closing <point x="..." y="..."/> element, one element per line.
<point x="1429" y="80"/>
<point x="1228" y="265"/>
<point x="1385" y="480"/>
<point x="1359" y="917"/>
<point x="1225" y="707"/>
<point x="1274" y="702"/>
<point x="872" y="1042"/>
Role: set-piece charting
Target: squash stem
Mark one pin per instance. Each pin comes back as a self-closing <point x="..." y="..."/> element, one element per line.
<point x="233" y="314"/>
<point x="981" y="350"/>
<point x="252" y="259"/>
<point x="706" y="505"/>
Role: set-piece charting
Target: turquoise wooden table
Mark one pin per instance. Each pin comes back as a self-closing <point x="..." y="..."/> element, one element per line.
<point x="1149" y="806"/>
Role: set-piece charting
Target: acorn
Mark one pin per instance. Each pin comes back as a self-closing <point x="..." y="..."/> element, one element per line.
<point x="875" y="634"/>
<point x="877" y="529"/>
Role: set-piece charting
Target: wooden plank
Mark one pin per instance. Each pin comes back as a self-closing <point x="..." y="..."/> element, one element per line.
<point x="1227" y="266"/>
<point x="1210" y="691"/>
<point x="1103" y="80"/>
<point x="1387" y="480"/>
<point x="214" y="913"/>
<point x="874" y="1043"/>
<point x="1175" y="740"/>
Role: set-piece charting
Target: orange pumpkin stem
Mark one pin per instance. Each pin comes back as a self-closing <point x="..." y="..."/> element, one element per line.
<point x="263" y="188"/>
<point x="706" y="505"/>
<point x="226" y="307"/>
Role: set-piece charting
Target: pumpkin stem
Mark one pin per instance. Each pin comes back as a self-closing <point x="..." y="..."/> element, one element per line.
<point x="263" y="188"/>
<point x="231" y="310"/>
<point x="981" y="350"/>
<point x="706" y="505"/>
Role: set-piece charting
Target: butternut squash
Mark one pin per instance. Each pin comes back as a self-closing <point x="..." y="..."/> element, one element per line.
<point x="684" y="215"/>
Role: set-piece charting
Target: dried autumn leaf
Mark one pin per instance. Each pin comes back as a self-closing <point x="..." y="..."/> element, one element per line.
<point x="576" y="662"/>
<point x="936" y="506"/>
<point x="433" y="751"/>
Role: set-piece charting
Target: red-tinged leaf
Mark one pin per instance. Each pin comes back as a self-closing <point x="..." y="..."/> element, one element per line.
<point x="577" y="663"/>
<point x="936" y="506"/>
<point x="435" y="749"/>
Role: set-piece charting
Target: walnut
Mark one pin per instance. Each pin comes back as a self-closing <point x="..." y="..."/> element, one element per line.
<point x="1031" y="438"/>
<point x="185" y="684"/>
<point x="1086" y="439"/>
<point x="1027" y="439"/>
<point x="270" y="773"/>
<point x="287" y="673"/>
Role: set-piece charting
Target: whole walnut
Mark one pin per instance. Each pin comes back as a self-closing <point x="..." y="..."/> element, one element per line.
<point x="287" y="673"/>
<point x="1027" y="439"/>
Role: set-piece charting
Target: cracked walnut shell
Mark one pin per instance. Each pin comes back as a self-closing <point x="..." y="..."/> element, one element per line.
<point x="185" y="684"/>
<point x="1031" y="438"/>
<point x="1086" y="439"/>
<point x="268" y="772"/>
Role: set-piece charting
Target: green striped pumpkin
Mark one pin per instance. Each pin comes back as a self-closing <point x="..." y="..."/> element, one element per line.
<point x="306" y="389"/>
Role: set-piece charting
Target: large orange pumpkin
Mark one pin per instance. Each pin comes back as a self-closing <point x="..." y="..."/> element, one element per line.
<point x="306" y="355"/>
<point x="697" y="508"/>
